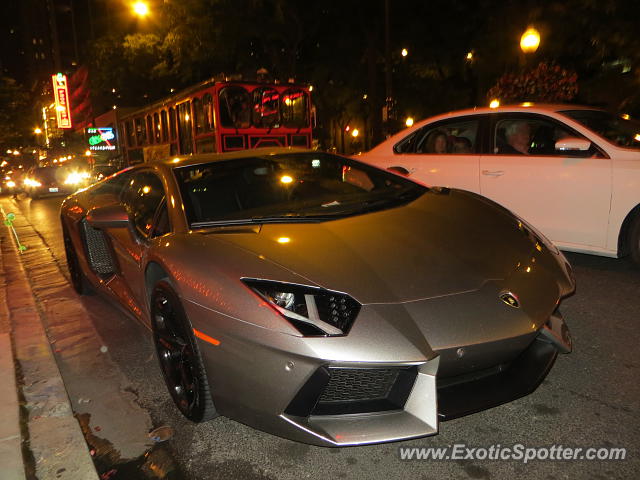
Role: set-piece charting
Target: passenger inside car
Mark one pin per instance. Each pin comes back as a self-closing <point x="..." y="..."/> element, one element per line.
<point x="436" y="142"/>
<point x="462" y="145"/>
<point x="518" y="138"/>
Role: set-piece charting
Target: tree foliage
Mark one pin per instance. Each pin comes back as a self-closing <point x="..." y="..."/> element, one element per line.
<point x="544" y="83"/>
<point x="339" y="48"/>
<point x="16" y="118"/>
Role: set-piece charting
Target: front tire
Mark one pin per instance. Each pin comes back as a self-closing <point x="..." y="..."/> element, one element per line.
<point x="179" y="357"/>
<point x="79" y="281"/>
<point x="634" y="240"/>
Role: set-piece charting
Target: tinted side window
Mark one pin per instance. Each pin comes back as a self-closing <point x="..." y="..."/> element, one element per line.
<point x="163" y="127"/>
<point x="157" y="127"/>
<point x="112" y="186"/>
<point x="266" y="108"/>
<point x="532" y="135"/>
<point x="142" y="196"/>
<point x="161" y="226"/>
<point x="458" y="136"/>
<point x="130" y="133"/>
<point x="294" y="108"/>
<point x="198" y="112"/>
<point x="141" y="131"/>
<point x="235" y="110"/>
<point x="207" y="102"/>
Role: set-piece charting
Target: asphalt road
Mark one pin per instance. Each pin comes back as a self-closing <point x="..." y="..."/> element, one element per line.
<point x="590" y="399"/>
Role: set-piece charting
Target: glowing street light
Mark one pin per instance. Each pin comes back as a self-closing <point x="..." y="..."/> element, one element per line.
<point x="404" y="52"/>
<point x="409" y="121"/>
<point x="141" y="9"/>
<point x="355" y="133"/>
<point x="495" y="103"/>
<point x="37" y="131"/>
<point x="530" y="40"/>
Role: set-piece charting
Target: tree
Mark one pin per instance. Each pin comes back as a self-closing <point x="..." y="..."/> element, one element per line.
<point x="544" y="83"/>
<point x="16" y="117"/>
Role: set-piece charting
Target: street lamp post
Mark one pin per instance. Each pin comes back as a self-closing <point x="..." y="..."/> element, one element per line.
<point x="530" y="40"/>
<point x="140" y="9"/>
<point x="529" y="43"/>
<point x="37" y="131"/>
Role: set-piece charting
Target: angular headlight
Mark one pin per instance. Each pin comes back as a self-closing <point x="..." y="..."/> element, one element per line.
<point x="312" y="311"/>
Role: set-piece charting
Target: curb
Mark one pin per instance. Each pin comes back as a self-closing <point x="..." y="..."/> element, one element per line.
<point x="55" y="440"/>
<point x="10" y="437"/>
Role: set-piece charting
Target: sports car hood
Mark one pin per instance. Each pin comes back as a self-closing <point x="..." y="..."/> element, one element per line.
<point x="443" y="243"/>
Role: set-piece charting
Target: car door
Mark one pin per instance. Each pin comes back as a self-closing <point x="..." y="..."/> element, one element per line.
<point x="457" y="166"/>
<point x="566" y="194"/>
<point x="144" y="199"/>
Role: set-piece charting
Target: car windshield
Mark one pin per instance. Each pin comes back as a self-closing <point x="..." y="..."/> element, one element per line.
<point x="618" y="129"/>
<point x="48" y="174"/>
<point x="287" y="188"/>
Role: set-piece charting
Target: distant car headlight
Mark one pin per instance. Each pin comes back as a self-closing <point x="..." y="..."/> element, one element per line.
<point x="74" y="178"/>
<point x="11" y="184"/>
<point x="312" y="311"/>
<point x="30" y="182"/>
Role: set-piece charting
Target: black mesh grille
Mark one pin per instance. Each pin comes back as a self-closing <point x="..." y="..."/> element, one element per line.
<point x="341" y="391"/>
<point x="98" y="251"/>
<point x="354" y="384"/>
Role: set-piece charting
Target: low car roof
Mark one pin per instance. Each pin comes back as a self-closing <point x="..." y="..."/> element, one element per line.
<point x="527" y="106"/>
<point x="519" y="107"/>
<point x="186" y="160"/>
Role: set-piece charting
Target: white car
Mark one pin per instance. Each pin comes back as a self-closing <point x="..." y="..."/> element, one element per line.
<point x="571" y="171"/>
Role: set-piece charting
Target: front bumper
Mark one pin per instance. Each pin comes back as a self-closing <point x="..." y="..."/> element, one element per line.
<point x="291" y="386"/>
<point x="501" y="384"/>
<point x="465" y="394"/>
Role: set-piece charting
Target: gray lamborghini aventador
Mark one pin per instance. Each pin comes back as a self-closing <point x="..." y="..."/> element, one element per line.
<point x="318" y="298"/>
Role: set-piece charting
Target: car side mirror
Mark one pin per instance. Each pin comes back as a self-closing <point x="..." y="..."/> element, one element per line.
<point x="111" y="216"/>
<point x="573" y="144"/>
<point x="400" y="171"/>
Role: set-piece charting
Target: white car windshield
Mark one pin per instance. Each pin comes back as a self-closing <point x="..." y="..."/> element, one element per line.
<point x="618" y="129"/>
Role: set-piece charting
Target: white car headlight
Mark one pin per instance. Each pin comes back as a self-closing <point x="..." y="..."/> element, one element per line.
<point x="74" y="178"/>
<point x="30" y="182"/>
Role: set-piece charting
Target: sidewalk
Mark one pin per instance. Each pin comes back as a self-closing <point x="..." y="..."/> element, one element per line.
<point x="39" y="435"/>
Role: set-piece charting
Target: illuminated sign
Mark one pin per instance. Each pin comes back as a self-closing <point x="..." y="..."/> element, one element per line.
<point x="101" y="139"/>
<point x="61" y="96"/>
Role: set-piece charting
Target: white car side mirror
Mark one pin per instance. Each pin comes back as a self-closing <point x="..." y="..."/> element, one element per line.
<point x="574" y="144"/>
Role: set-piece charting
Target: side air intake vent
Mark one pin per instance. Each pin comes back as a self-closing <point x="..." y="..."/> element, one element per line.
<point x="98" y="251"/>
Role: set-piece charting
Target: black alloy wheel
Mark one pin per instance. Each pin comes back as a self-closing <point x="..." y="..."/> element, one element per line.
<point x="178" y="354"/>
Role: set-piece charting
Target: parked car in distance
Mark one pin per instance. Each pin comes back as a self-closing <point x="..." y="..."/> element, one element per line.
<point x="55" y="180"/>
<point x="575" y="173"/>
<point x="100" y="172"/>
<point x="319" y="298"/>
